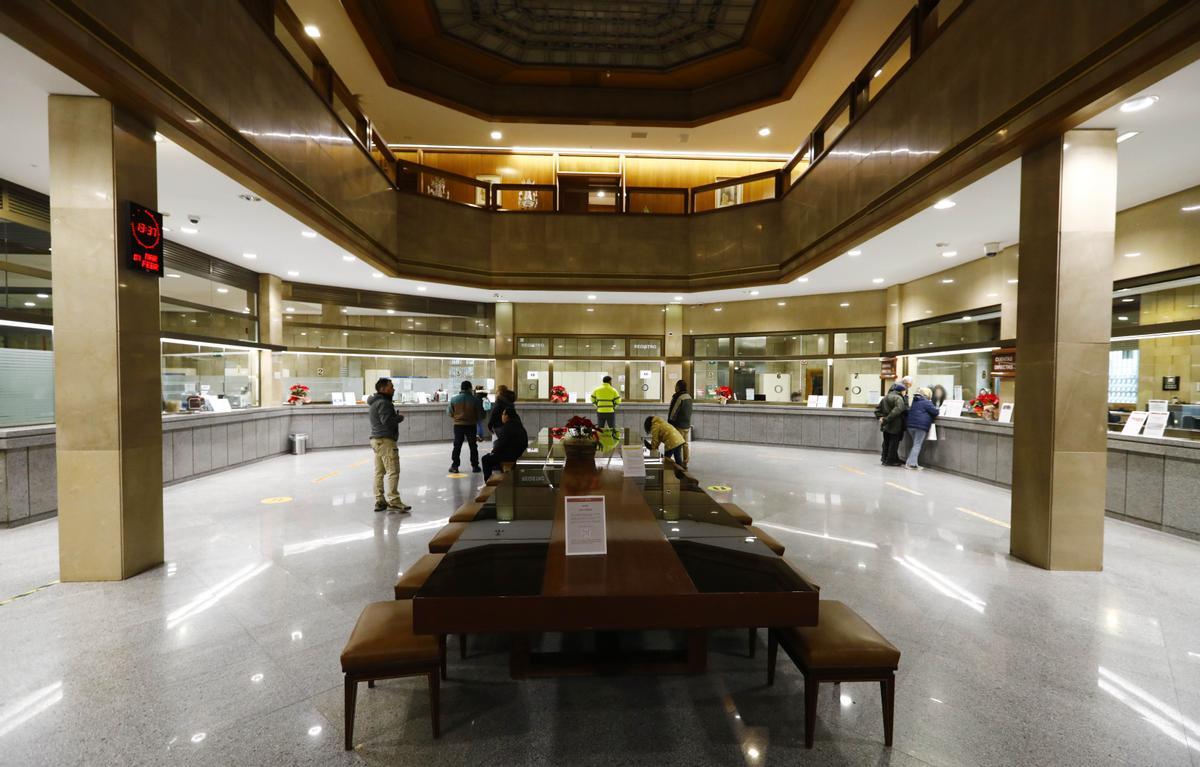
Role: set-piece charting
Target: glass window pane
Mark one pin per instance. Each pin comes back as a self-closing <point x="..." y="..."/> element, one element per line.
<point x="749" y="346"/>
<point x="858" y="342"/>
<point x="646" y="381"/>
<point x="645" y="347"/>
<point x="972" y="327"/>
<point x="533" y="380"/>
<point x="26" y="376"/>
<point x="709" y="374"/>
<point x="712" y="347"/>
<point x="190" y="371"/>
<point x="534" y="347"/>
<point x="777" y="380"/>
<point x="857" y="382"/>
<point x="581" y="377"/>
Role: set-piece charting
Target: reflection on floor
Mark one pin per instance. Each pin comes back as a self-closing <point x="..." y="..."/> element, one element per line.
<point x="228" y="654"/>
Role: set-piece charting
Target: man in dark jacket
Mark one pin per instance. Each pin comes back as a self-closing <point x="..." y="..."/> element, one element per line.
<point x="679" y="415"/>
<point x="385" y="430"/>
<point x="891" y="412"/>
<point x="506" y="399"/>
<point x="464" y="409"/>
<point x="511" y="443"/>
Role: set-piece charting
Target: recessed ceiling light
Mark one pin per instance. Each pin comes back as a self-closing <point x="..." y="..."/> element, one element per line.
<point x="312" y="30"/>
<point x="174" y="276"/>
<point x="967" y="317"/>
<point x="30" y="303"/>
<point x="1066" y="147"/>
<point x="43" y="295"/>
<point x="377" y="275"/>
<point x="304" y="334"/>
<point x="781" y="303"/>
<point x="222" y="290"/>
<point x="677" y="298"/>
<point x="929" y="311"/>
<point x="422" y="288"/>
<point x="590" y="309"/>
<point x="754" y="292"/>
<point x="1133" y="255"/>
<point x="853" y="252"/>
<point x="1123" y="319"/>
<point x="843" y="305"/>
<point x="345" y="332"/>
<point x="1126" y="136"/>
<point x="250" y="255"/>
<point x="308" y="233"/>
<point x="290" y="309"/>
<point x="293" y="273"/>
<point x="1190" y="208"/>
<point x="993" y="295"/>
<point x="1138" y="104"/>
<point x="348" y="258"/>
<point x="347" y="311"/>
<point x="1127" y="300"/>
<point x="949" y="253"/>
<point x="159" y="138"/>
<point x="188" y="229"/>
<point x="592" y="297"/>
<point x="878" y="72"/>
<point x="944" y="204"/>
<point x="1012" y="282"/>
<point x="764" y="131"/>
<point x="391" y="311"/>
<point x="877" y="280"/>
<point x="496" y="135"/>
<point x="947" y="281"/>
<point x="716" y="308"/>
<point x="801" y="279"/>
<point x="246" y="310"/>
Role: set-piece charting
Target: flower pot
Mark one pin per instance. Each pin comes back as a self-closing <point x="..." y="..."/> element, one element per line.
<point x="580" y="454"/>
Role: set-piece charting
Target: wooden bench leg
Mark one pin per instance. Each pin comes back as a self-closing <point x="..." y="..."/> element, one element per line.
<point x="462" y="646"/>
<point x="442" y="653"/>
<point x="351" y="695"/>
<point x="887" y="690"/>
<point x="753" y="641"/>
<point x="772" y="652"/>
<point x="434" y="709"/>
<point x="371" y="684"/>
<point x="811" y="686"/>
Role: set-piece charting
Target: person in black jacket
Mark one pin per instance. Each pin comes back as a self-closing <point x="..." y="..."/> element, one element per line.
<point x="890" y="412"/>
<point x="510" y="444"/>
<point x="506" y="399"/>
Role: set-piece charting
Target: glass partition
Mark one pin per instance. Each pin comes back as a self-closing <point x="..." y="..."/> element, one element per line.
<point x="858" y="342"/>
<point x="777" y="380"/>
<point x="975" y="327"/>
<point x="417" y="380"/>
<point x="26" y="294"/>
<point x="581" y="377"/>
<point x="857" y="382"/>
<point x="533" y="380"/>
<point x="584" y="346"/>
<point x="26" y="376"/>
<point x="645" y="381"/>
<point x="709" y="375"/>
<point x="208" y="371"/>
<point x="201" y="306"/>
<point x="961" y="375"/>
<point x="711" y="347"/>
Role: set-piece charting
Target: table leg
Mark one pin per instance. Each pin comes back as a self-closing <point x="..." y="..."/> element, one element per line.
<point x="697" y="651"/>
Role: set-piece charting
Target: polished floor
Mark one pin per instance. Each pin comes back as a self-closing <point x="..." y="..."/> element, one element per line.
<point x="228" y="654"/>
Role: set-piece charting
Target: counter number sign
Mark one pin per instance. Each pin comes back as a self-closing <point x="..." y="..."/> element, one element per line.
<point x="145" y="246"/>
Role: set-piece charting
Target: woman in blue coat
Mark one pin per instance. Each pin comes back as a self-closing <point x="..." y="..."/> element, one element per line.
<point x="921" y="414"/>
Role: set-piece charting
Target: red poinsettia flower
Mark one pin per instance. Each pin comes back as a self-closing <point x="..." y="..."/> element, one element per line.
<point x="558" y="432"/>
<point x="725" y="391"/>
<point x="558" y="394"/>
<point x="579" y="422"/>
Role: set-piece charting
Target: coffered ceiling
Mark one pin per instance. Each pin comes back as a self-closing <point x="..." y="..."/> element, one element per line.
<point x="653" y="62"/>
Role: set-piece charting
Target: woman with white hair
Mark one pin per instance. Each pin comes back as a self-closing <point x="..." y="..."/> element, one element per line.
<point x="921" y="415"/>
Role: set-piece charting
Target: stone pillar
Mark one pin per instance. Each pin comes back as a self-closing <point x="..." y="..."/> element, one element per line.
<point x="505" y="343"/>
<point x="893" y="336"/>
<point x="673" y="348"/>
<point x="1068" y="219"/>
<point x="270" y="331"/>
<point x="108" y="391"/>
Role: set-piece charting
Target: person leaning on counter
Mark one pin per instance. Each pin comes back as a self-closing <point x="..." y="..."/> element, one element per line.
<point x="663" y="433"/>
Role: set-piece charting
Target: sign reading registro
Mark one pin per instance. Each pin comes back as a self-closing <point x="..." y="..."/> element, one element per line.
<point x="144" y="248"/>
<point x="584" y="518"/>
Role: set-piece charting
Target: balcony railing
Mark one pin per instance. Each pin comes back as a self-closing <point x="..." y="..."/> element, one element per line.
<point x="919" y="28"/>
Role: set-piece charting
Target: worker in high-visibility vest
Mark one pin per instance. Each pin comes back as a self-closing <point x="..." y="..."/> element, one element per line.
<point x="606" y="399"/>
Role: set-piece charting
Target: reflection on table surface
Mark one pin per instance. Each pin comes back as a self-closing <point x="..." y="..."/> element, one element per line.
<point x="545" y="448"/>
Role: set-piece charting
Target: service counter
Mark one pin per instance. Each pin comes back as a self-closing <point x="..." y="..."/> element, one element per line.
<point x="1151" y="481"/>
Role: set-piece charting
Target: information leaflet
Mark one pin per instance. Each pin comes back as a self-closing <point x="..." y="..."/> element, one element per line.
<point x="584" y="516"/>
<point x="1156" y="424"/>
<point x="1135" y="422"/>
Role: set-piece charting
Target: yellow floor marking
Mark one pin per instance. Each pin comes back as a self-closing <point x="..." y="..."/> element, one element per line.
<point x="902" y="487"/>
<point x="456" y="476"/>
<point x="852" y="470"/>
<point x="277" y="499"/>
<point x="15" y="597"/>
<point x="985" y="517"/>
<point x="363" y="462"/>
<point x="324" y="477"/>
<point x="720" y="488"/>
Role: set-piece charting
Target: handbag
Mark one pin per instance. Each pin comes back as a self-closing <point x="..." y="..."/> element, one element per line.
<point x="932" y="433"/>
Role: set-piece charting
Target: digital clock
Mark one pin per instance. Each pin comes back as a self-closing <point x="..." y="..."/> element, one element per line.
<point x="145" y="244"/>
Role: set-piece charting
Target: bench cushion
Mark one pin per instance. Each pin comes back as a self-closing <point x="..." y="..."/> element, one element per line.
<point x="383" y="639"/>
<point x="769" y="540"/>
<point x="737" y="513"/>
<point x="415" y="576"/>
<point x="841" y="639"/>
<point x="441" y="542"/>
<point x="467" y="512"/>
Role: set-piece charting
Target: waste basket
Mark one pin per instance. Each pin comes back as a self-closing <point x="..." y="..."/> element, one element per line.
<point x="299" y="443"/>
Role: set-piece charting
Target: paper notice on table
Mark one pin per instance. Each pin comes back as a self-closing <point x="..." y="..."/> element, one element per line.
<point x="838" y="401"/>
<point x="822" y="401"/>
<point x="1156" y="424"/>
<point x="1156" y="405"/>
<point x="584" y="517"/>
<point x="349" y="398"/>
<point x="1006" y="412"/>
<point x="1135" y="422"/>
<point x="953" y="408"/>
<point x="632" y="461"/>
<point x="336" y="398"/>
<point x="812" y="400"/>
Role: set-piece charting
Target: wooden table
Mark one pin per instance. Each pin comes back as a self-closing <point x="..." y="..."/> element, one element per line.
<point x="676" y="560"/>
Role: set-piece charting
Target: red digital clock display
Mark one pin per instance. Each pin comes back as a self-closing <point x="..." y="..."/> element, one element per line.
<point x="145" y="240"/>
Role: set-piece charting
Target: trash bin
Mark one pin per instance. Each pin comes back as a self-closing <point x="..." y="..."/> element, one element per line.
<point x="299" y="443"/>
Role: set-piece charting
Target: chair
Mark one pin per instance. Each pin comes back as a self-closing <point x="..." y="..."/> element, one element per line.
<point x="441" y="542"/>
<point x="411" y="581"/>
<point x="735" y="511"/>
<point x="383" y="646"/>
<point x="842" y="647"/>
<point x="769" y="540"/>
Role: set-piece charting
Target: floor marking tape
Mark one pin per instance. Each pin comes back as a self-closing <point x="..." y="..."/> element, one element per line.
<point x="326" y="476"/>
<point x="852" y="470"/>
<point x="34" y="590"/>
<point x="985" y="517"/>
<point x="902" y="487"/>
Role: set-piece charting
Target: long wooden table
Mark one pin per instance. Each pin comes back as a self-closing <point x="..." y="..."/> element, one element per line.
<point x="676" y="560"/>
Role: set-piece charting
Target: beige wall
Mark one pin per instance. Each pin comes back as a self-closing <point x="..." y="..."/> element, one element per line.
<point x="1166" y="237"/>
<point x="823" y="312"/>
<point x="1160" y="357"/>
<point x="979" y="283"/>
<point x="575" y="319"/>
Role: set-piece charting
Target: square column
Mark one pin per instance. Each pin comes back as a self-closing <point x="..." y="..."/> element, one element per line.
<point x="505" y="373"/>
<point x="108" y="391"/>
<point x="1064" y="299"/>
<point x="270" y="331"/>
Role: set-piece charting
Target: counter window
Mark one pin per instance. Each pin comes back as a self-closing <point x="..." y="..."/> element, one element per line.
<point x="417" y="379"/>
<point x="961" y="375"/>
<point x="210" y="372"/>
<point x="711" y="347"/>
<point x="26" y="376"/>
<point x="778" y="380"/>
<point x="709" y="374"/>
<point x="858" y="342"/>
<point x="1175" y="301"/>
<point x="974" y="327"/>
<point x="585" y="346"/>
<point x="581" y="377"/>
<point x="533" y="380"/>
<point x="857" y="382"/>
<point x="533" y="346"/>
<point x="645" y="381"/>
<point x="192" y="304"/>
<point x="25" y="291"/>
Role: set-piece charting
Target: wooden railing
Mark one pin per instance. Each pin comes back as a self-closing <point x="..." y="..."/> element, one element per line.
<point x="914" y="34"/>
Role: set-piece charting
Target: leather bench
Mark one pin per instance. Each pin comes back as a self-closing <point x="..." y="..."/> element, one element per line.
<point x="467" y="512"/>
<point x="769" y="540"/>
<point x="842" y="647"/>
<point x="411" y="581"/>
<point x="441" y="542"/>
<point x="735" y="511"/>
<point x="383" y="646"/>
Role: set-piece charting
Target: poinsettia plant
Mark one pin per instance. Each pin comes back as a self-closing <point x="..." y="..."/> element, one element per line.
<point x="579" y="426"/>
<point x="983" y="400"/>
<point x="558" y="432"/>
<point x="298" y="393"/>
<point x="558" y="394"/>
<point x="725" y="393"/>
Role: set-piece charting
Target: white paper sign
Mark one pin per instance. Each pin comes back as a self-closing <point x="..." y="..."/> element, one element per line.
<point x="349" y="398"/>
<point x="837" y="401"/>
<point x="336" y="398"/>
<point x="822" y="401"/>
<point x="633" y="461"/>
<point x="1135" y="422"/>
<point x="813" y="400"/>
<point x="1156" y="405"/>
<point x="750" y="395"/>
<point x="1156" y="424"/>
<point x="952" y="408"/>
<point x="584" y="517"/>
<point x="574" y="396"/>
<point x="531" y="375"/>
<point x="1006" y="412"/>
<point x="644" y="373"/>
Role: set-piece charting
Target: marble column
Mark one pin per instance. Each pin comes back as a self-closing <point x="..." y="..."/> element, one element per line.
<point x="1068" y="220"/>
<point x="108" y="392"/>
<point x="270" y="331"/>
<point x="503" y="328"/>
<point x="673" y="349"/>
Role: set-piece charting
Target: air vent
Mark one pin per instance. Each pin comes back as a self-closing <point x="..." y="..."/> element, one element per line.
<point x="638" y="134"/>
<point x="24" y="206"/>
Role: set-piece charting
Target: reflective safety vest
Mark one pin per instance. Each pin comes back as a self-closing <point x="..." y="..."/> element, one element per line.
<point x="606" y="398"/>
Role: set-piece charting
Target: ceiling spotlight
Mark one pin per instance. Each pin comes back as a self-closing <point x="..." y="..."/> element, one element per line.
<point x="949" y="253"/>
<point x="222" y="290"/>
<point x="30" y="304"/>
<point x="877" y="280"/>
<point x="1126" y="136"/>
<point x="592" y="297"/>
<point x="188" y="229"/>
<point x="1190" y="208"/>
<point x="496" y="135"/>
<point x="391" y="311"/>
<point x="159" y="138"/>
<point x="716" y="308"/>
<point x="1123" y="319"/>
<point x="600" y="193"/>
<point x="590" y="309"/>
<point x="43" y="295"/>
<point x="422" y="288"/>
<point x="781" y="303"/>
<point x="843" y="305"/>
<point x="1012" y="282"/>
<point x="853" y="252"/>
<point x="293" y="273"/>
<point x="312" y="30"/>
<point x="290" y="309"/>
<point x="250" y="256"/>
<point x="377" y="275"/>
<point x="1127" y="300"/>
<point x="764" y="131"/>
<point x="1138" y="104"/>
<point x="801" y="279"/>
<point x="944" y="204"/>
<point x="348" y="258"/>
<point x="754" y="292"/>
<point x="967" y="317"/>
<point x="993" y="295"/>
<point x="174" y="276"/>
<point x="948" y="281"/>
<point x="677" y="298"/>
<point x="309" y="234"/>
<point x="1133" y="255"/>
